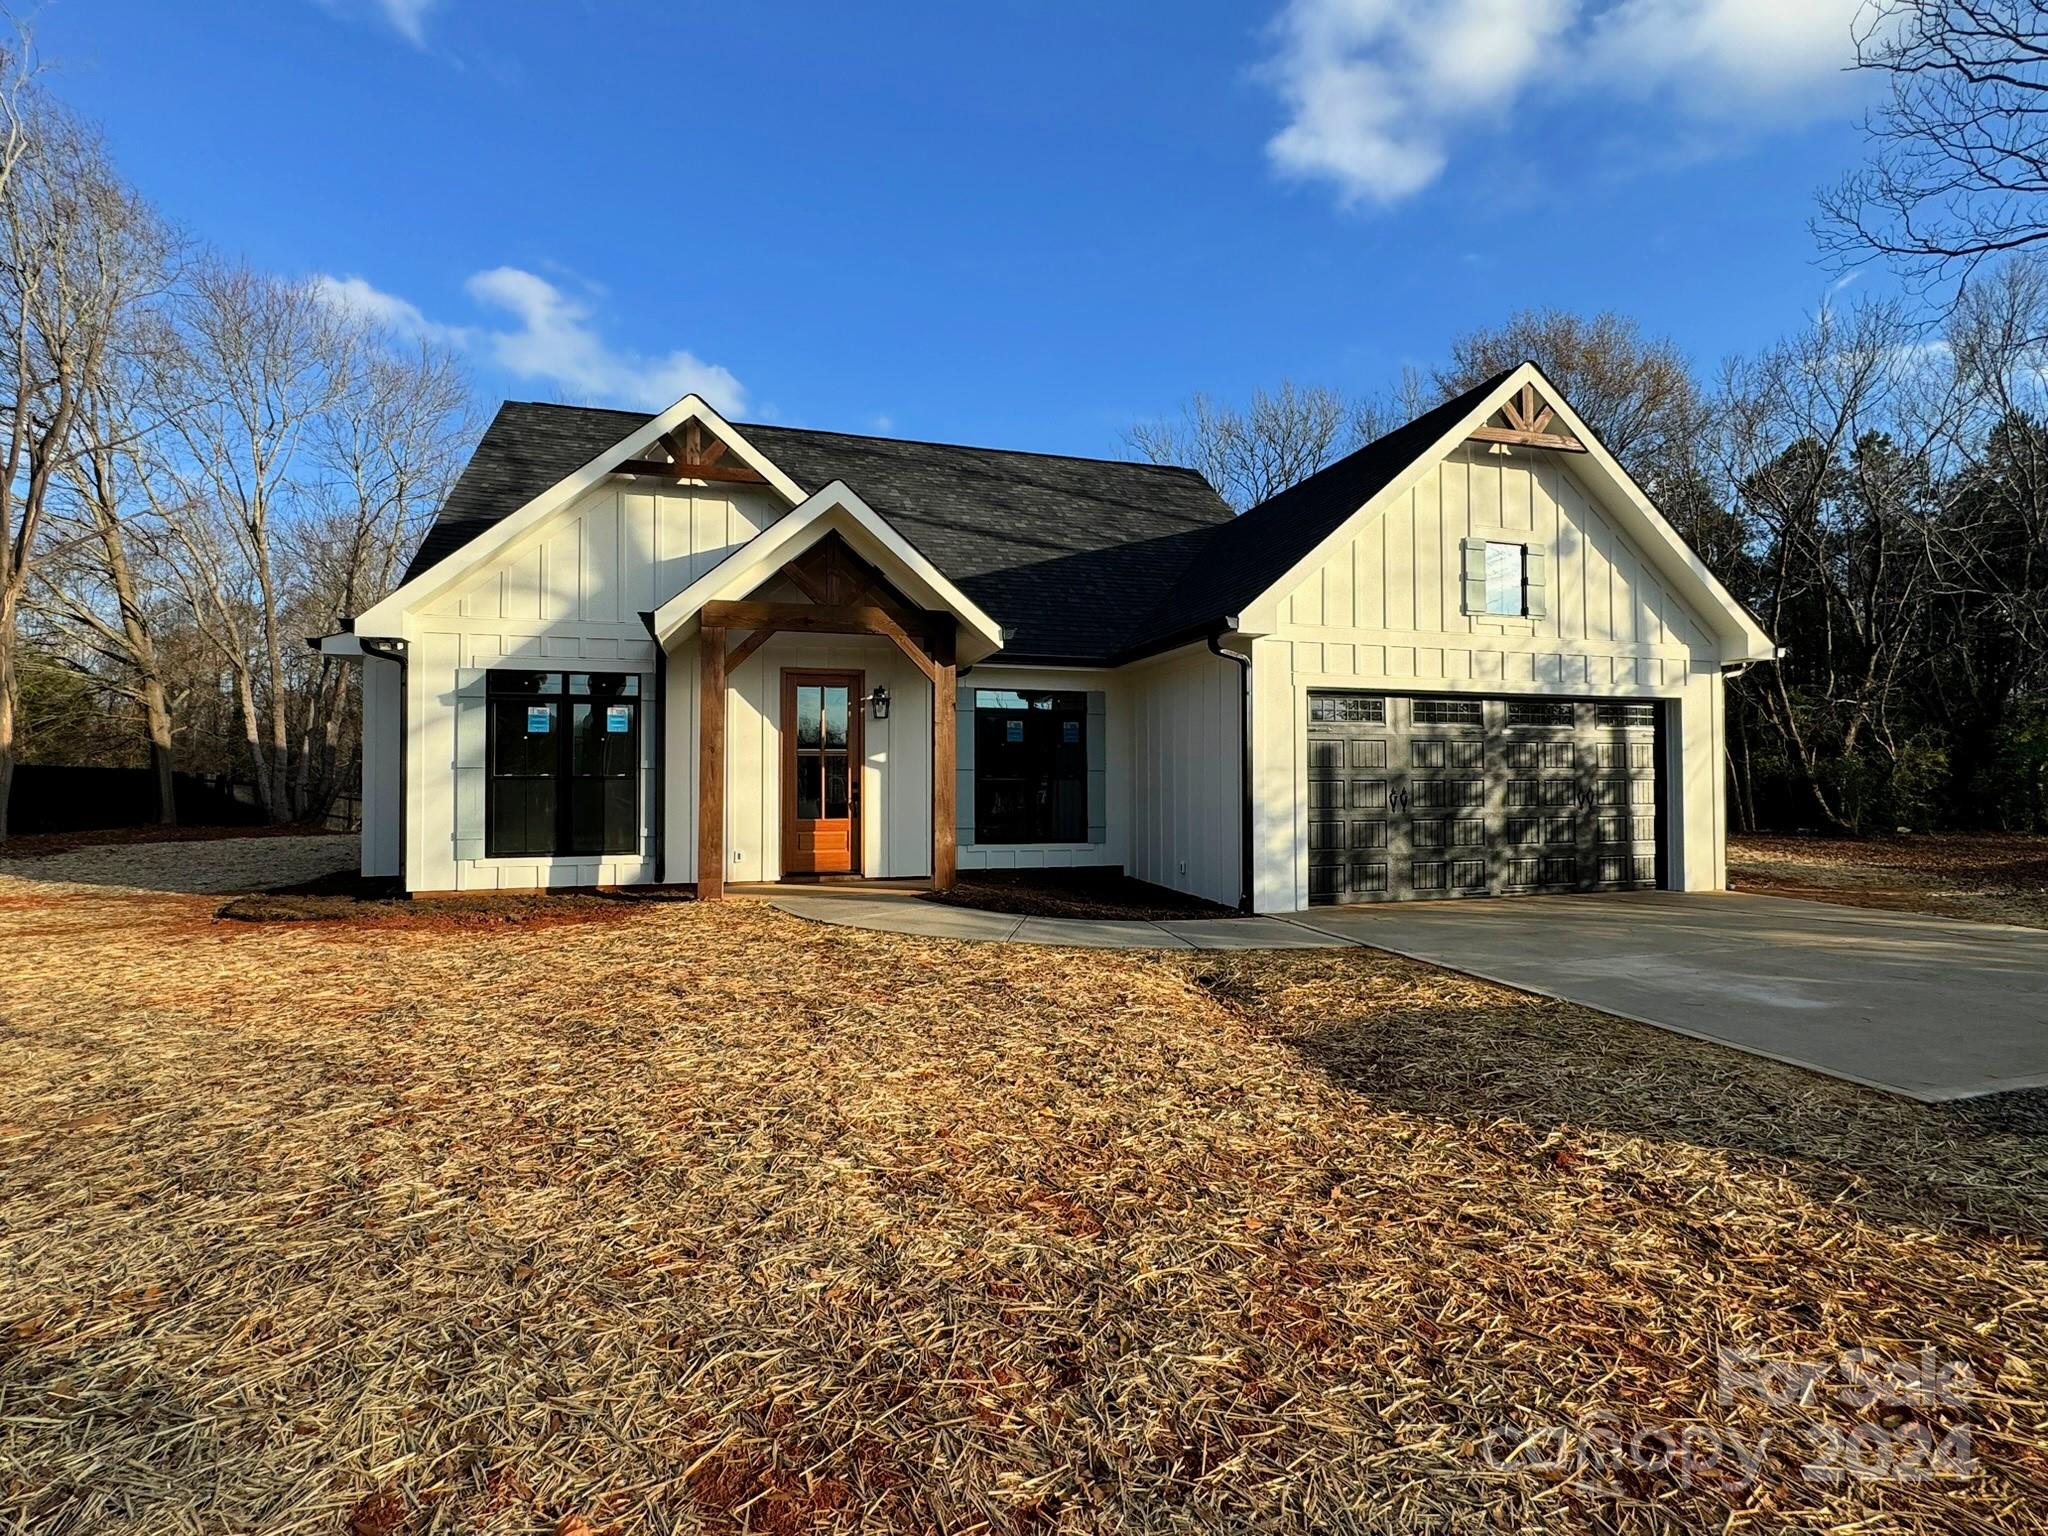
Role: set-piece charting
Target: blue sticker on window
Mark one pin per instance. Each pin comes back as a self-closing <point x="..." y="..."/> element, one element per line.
<point x="618" y="719"/>
<point x="540" y="719"/>
<point x="1070" y="732"/>
<point x="1013" y="730"/>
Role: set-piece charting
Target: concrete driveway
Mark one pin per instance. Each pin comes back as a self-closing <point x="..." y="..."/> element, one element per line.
<point x="1924" y="1006"/>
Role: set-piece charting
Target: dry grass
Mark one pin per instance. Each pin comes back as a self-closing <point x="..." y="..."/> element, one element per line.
<point x="716" y="1220"/>
<point x="1991" y="877"/>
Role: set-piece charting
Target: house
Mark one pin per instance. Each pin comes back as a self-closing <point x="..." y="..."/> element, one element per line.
<point x="1470" y="658"/>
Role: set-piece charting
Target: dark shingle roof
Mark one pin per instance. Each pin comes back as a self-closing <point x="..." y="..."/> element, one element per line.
<point x="1084" y="559"/>
<point x="1242" y="559"/>
<point x="1070" y="553"/>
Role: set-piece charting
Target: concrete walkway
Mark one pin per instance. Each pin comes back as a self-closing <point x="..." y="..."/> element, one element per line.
<point x="1929" y="1007"/>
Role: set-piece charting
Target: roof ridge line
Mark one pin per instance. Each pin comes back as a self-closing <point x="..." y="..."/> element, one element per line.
<point x="879" y="437"/>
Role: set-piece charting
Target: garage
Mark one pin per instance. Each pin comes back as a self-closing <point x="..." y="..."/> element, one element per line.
<point x="1414" y="797"/>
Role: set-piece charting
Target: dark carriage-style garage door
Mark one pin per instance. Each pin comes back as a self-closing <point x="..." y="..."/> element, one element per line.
<point x="1414" y="796"/>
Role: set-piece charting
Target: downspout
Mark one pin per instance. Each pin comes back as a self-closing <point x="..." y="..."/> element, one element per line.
<point x="395" y="650"/>
<point x="660" y="809"/>
<point x="1244" y="759"/>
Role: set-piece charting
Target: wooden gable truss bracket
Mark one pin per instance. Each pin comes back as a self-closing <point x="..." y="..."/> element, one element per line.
<point x="1528" y="422"/>
<point x="847" y="597"/>
<point x="694" y="455"/>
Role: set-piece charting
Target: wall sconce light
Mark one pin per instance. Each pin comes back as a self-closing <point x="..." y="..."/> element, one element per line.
<point x="879" y="702"/>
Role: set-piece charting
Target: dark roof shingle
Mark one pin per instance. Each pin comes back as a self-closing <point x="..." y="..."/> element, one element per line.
<point x="1082" y="560"/>
<point x="1069" y="553"/>
<point x="1242" y="559"/>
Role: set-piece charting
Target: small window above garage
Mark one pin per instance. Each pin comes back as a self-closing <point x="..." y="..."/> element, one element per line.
<point x="1505" y="579"/>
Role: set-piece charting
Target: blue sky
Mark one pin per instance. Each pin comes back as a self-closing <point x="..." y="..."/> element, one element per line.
<point x="1009" y="223"/>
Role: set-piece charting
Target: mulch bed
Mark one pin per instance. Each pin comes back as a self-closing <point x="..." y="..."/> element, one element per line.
<point x="351" y="897"/>
<point x="37" y="845"/>
<point x="1089" y="893"/>
<point x="730" y="1222"/>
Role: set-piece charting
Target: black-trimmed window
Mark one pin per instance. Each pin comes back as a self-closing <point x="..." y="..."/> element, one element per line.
<point x="564" y="763"/>
<point x="1030" y="766"/>
<point x="1507" y="578"/>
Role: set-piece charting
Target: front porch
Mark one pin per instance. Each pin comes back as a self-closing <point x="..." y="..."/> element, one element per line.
<point x="824" y="676"/>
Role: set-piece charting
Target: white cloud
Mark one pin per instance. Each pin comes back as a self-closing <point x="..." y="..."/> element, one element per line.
<point x="1378" y="92"/>
<point x="355" y="296"/>
<point x="553" y="340"/>
<point x="1727" y="56"/>
<point x="408" y="18"/>
<point x="1374" y="86"/>
<point x="556" y="341"/>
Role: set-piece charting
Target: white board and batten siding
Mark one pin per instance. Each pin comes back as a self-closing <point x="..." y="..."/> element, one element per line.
<point x="1385" y="611"/>
<point x="566" y="597"/>
<point x="1163" y="769"/>
<point x="1186" y="725"/>
<point x="896" y="767"/>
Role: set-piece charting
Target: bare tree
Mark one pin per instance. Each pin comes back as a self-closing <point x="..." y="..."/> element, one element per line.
<point x="1827" y="442"/>
<point x="1283" y="436"/>
<point x="1637" y="393"/>
<point x="75" y="252"/>
<point x="96" y="580"/>
<point x="389" y="448"/>
<point x="264" y="358"/>
<point x="1958" y="162"/>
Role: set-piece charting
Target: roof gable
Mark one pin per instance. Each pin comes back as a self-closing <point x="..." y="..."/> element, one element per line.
<point x="1253" y="553"/>
<point x="834" y="510"/>
<point x="1068" y="554"/>
<point x="1246" y="569"/>
<point x="491" y="481"/>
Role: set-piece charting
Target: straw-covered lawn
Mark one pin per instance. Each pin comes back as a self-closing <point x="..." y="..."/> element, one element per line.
<point x="685" y="1218"/>
<point x="1996" y="877"/>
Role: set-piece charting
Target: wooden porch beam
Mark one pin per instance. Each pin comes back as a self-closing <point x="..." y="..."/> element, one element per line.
<point x="737" y="474"/>
<point x="711" y="763"/>
<point x="746" y="648"/>
<point x="945" y="755"/>
<point x="910" y="647"/>
<point x="1553" y="440"/>
<point x="817" y="591"/>
<point x="883" y="625"/>
<point x="821" y="618"/>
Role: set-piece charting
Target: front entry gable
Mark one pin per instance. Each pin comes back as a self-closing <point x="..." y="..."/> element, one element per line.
<point x="835" y="516"/>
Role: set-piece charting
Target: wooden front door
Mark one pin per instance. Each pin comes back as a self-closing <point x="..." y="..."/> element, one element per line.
<point x="821" y="758"/>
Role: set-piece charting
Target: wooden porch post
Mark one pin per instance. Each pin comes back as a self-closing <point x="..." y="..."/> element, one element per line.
<point x="710" y="763"/>
<point x="945" y="752"/>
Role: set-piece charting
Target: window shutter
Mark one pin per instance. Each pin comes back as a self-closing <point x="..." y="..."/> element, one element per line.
<point x="1473" y="569"/>
<point x="963" y="769"/>
<point x="471" y="717"/>
<point x="1098" y="768"/>
<point x="1536" y="581"/>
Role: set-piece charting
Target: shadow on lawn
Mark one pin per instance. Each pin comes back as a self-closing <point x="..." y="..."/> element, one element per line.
<point x="1415" y="1040"/>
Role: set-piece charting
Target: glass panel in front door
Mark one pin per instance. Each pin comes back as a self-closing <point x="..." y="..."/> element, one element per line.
<point x="823" y="749"/>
